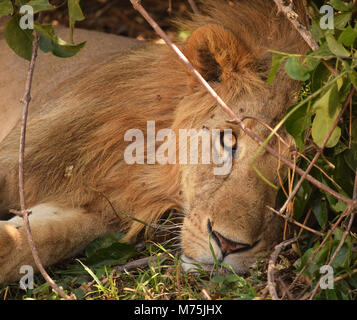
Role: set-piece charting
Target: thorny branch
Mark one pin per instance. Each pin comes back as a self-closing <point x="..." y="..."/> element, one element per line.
<point x="287" y="7"/>
<point x="271" y="267"/>
<point x="24" y="212"/>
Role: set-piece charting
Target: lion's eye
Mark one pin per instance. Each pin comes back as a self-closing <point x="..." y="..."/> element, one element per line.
<point x="228" y="141"/>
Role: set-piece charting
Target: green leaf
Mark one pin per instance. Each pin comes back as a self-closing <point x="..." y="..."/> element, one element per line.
<point x="331" y="294"/>
<point x="335" y="47"/>
<point x="336" y="205"/>
<point x="297" y="123"/>
<point x="19" y="40"/>
<point x="319" y="77"/>
<point x="340" y="148"/>
<point x="6" y="8"/>
<point x="302" y="198"/>
<point x="350" y="156"/>
<point x="341" y="5"/>
<point x="92" y="274"/>
<point x="117" y="253"/>
<point x="348" y="36"/>
<point x="339" y="206"/>
<point x="327" y="109"/>
<point x="343" y="257"/>
<point x="107" y="250"/>
<point x="353" y="77"/>
<point x="319" y="209"/>
<point x="313" y="269"/>
<point x="320" y="128"/>
<point x="354" y="135"/>
<point x="342" y="174"/>
<point x="50" y="42"/>
<point x="295" y="70"/>
<point x="103" y="242"/>
<point x="340" y="20"/>
<point x="75" y="14"/>
<point x="40" y="5"/>
<point x="316" y="31"/>
<point x="276" y="62"/>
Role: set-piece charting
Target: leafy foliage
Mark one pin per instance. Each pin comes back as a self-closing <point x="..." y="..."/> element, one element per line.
<point x="20" y="39"/>
<point x="324" y="95"/>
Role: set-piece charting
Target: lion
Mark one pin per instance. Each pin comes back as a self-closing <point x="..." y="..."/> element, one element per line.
<point x="78" y="185"/>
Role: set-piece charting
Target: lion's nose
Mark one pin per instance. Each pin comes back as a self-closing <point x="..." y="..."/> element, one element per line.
<point x="228" y="246"/>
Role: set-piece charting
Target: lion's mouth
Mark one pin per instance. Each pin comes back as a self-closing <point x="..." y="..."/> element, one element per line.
<point x="227" y="249"/>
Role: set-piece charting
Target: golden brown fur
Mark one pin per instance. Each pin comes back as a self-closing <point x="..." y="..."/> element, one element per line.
<point x="75" y="146"/>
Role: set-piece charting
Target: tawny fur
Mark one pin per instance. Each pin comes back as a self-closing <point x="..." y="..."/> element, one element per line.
<point x="75" y="145"/>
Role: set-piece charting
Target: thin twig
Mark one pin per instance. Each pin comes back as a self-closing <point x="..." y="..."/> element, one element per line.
<point x="291" y="220"/>
<point x="194" y="6"/>
<point x="24" y="212"/>
<point x="344" y="276"/>
<point x="271" y="266"/>
<point x="287" y="8"/>
<point x="140" y="263"/>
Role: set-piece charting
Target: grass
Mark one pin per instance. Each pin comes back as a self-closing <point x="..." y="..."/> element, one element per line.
<point x="162" y="280"/>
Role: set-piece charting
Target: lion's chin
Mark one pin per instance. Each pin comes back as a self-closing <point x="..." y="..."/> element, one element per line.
<point x="239" y="265"/>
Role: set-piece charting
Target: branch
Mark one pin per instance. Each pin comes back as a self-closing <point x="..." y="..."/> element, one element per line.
<point x="271" y="267"/>
<point x="24" y="212"/>
<point x="291" y="220"/>
<point x="194" y="6"/>
<point x="140" y="263"/>
<point x="287" y="7"/>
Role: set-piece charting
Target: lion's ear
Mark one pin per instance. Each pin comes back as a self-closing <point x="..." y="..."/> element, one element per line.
<point x="216" y="52"/>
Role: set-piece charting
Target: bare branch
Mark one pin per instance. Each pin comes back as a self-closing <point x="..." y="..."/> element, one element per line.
<point x="194" y="6"/>
<point x="291" y="220"/>
<point x="287" y="7"/>
<point x="24" y="212"/>
<point x="271" y="267"/>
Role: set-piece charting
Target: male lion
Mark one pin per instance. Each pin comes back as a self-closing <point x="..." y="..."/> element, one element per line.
<point x="75" y="172"/>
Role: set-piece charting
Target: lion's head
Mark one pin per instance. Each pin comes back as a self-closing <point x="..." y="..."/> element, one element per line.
<point x="227" y="212"/>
